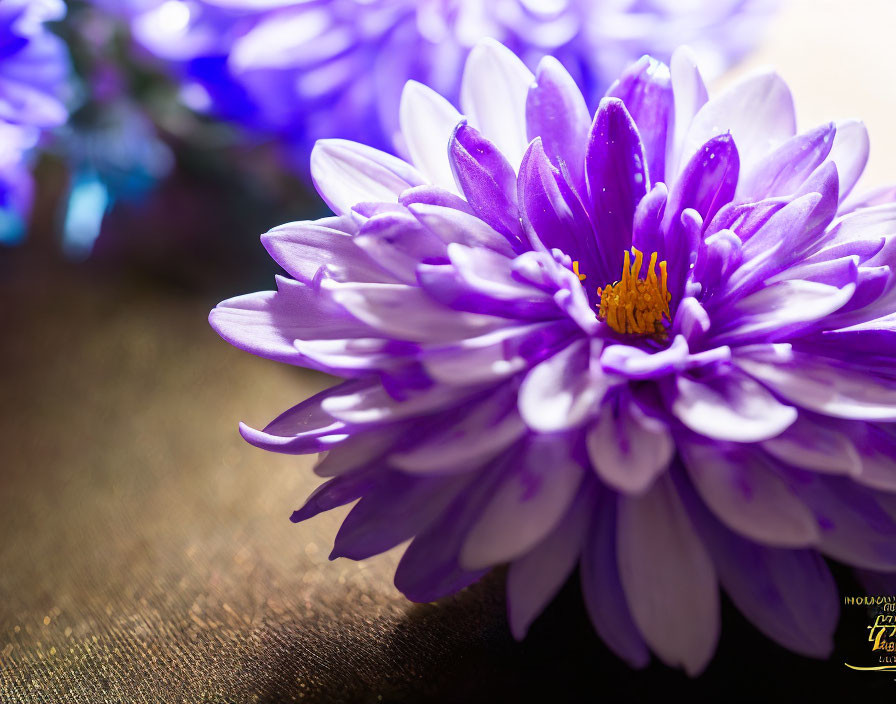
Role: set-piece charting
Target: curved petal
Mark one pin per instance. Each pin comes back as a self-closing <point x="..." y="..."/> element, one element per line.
<point x="777" y="311"/>
<point x="560" y="392"/>
<point x="815" y="445"/>
<point x="346" y="173"/>
<point x="706" y="183"/>
<point x="733" y="407"/>
<point x="602" y="589"/>
<point x="850" y="153"/>
<point x="427" y="122"/>
<point x="877" y="456"/>
<point x="304" y="248"/>
<point x="534" y="578"/>
<point x="397" y="243"/>
<point x="668" y="578"/>
<point x="335" y="492"/>
<point x="552" y="214"/>
<point x="394" y="510"/>
<point x="690" y="95"/>
<point x="758" y="111"/>
<point x="369" y="402"/>
<point x="266" y="323"/>
<point x="628" y="448"/>
<point x="486" y="179"/>
<point x="463" y="441"/>
<point x="495" y="355"/>
<point x="429" y="568"/>
<point x="783" y="171"/>
<point x="305" y="428"/>
<point x="493" y="94"/>
<point x="829" y="387"/>
<point x="526" y="505"/>
<point x="646" y="89"/>
<point x="407" y="313"/>
<point x="452" y="225"/>
<point x="857" y="524"/>
<point x="616" y="175"/>
<point x="741" y="487"/>
<point x="789" y="595"/>
<point x="556" y="112"/>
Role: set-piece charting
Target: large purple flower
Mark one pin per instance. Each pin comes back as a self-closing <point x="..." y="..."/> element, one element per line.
<point x="34" y="69"/>
<point x="336" y="68"/>
<point x="657" y="344"/>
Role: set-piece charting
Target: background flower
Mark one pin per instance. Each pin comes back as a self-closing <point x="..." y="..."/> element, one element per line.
<point x="524" y="388"/>
<point x="336" y="68"/>
<point x="34" y="69"/>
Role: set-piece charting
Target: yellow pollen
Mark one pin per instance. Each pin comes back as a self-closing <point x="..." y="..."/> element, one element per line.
<point x="575" y="270"/>
<point x="637" y="306"/>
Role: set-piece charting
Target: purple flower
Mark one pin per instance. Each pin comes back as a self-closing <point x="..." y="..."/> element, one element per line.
<point x="336" y="68"/>
<point x="34" y="69"/>
<point x="657" y="344"/>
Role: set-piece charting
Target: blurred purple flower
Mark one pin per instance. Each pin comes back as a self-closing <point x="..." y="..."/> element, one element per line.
<point x="523" y="388"/>
<point x="34" y="69"/>
<point x="336" y="68"/>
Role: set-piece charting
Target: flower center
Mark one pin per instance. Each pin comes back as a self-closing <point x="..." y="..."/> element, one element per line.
<point x="636" y="306"/>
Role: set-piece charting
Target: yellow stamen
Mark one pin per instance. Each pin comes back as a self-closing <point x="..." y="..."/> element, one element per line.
<point x="636" y="306"/>
<point x="575" y="269"/>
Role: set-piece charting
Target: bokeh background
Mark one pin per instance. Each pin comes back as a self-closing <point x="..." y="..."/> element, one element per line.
<point x="145" y="550"/>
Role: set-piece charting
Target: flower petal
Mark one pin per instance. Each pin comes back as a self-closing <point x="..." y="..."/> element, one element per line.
<point x="304" y="248"/>
<point x="560" y="392"/>
<point x="733" y="407"/>
<point x="346" y="173"/>
<point x="858" y="525"/>
<point x="486" y="179"/>
<point x="556" y="112"/>
<point x="304" y="428"/>
<point x="850" y="153"/>
<point x="398" y="243"/>
<point x="493" y="94"/>
<point x="741" y="487"/>
<point x="394" y="510"/>
<point x="777" y="311"/>
<point x="668" y="578"/>
<point x="690" y="95"/>
<point x="789" y="595"/>
<point x="646" y="89"/>
<point x="407" y="313"/>
<point x="429" y="568"/>
<point x="534" y="578"/>
<point x="461" y="442"/>
<point x="628" y="448"/>
<point x="602" y="589"/>
<point x="452" y="225"/>
<point x="759" y="113"/>
<point x="335" y="492"/>
<point x="265" y="323"/>
<point x="427" y="122"/>
<point x="815" y="445"/>
<point x="784" y="170"/>
<point x="616" y="174"/>
<point x="552" y="214"/>
<point x="526" y="505"/>
<point x="826" y="386"/>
